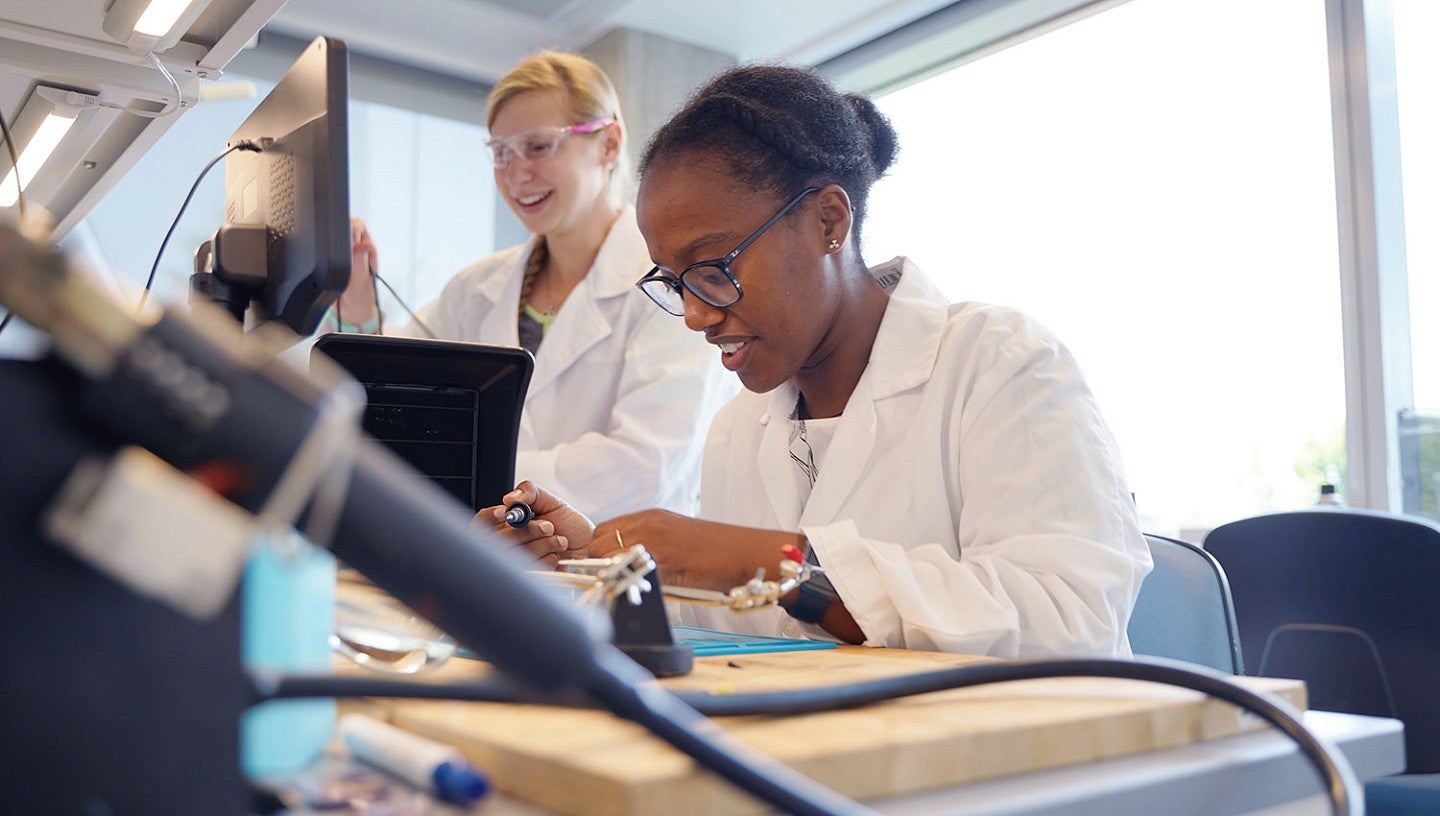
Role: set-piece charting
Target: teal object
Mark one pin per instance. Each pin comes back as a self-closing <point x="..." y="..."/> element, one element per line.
<point x="712" y="642"/>
<point x="287" y="618"/>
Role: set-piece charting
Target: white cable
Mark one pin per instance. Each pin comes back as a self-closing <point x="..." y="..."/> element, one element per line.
<point x="169" y="108"/>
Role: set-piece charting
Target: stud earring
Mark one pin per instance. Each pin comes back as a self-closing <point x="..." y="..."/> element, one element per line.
<point x="834" y="244"/>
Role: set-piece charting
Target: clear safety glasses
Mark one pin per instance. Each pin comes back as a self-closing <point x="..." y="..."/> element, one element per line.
<point x="711" y="281"/>
<point x="538" y="145"/>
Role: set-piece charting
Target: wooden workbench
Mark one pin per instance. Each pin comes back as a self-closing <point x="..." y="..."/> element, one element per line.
<point x="589" y="763"/>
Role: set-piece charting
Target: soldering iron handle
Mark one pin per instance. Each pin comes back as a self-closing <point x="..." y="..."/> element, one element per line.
<point x="518" y="514"/>
<point x="415" y="541"/>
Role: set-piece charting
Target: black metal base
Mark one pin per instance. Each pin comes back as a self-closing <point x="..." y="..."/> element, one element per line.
<point x="643" y="633"/>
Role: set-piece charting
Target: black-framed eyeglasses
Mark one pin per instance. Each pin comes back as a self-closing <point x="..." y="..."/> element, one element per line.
<point x="711" y="281"/>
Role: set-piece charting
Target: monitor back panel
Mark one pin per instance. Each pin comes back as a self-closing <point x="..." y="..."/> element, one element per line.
<point x="449" y="409"/>
<point x="437" y="430"/>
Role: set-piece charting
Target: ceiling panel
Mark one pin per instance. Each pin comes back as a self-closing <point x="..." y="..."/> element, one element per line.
<point x="62" y="43"/>
<point x="481" y="39"/>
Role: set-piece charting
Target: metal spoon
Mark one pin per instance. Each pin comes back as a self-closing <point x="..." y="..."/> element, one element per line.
<point x="390" y="653"/>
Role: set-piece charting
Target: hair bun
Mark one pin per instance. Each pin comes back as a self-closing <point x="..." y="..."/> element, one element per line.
<point x="884" y="144"/>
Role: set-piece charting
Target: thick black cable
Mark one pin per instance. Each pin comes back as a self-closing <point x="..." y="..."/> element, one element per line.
<point x="460" y="578"/>
<point x="150" y="280"/>
<point x="1342" y="787"/>
<point x="623" y="688"/>
<point x="466" y="584"/>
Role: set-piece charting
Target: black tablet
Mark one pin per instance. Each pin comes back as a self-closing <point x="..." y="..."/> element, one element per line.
<point x="450" y="409"/>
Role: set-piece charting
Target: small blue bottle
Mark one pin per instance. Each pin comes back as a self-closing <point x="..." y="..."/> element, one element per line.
<point x="288" y="611"/>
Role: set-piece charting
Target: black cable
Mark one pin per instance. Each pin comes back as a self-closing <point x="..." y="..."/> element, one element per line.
<point x="1343" y="788"/>
<point x="375" y="276"/>
<point x="623" y="688"/>
<point x="491" y="689"/>
<point x="380" y="313"/>
<point x="149" y="281"/>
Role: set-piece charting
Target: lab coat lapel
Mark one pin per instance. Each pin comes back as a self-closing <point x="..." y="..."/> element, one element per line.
<point x="502" y="289"/>
<point x="776" y="476"/>
<point x="578" y="326"/>
<point x="902" y="359"/>
<point x="846" y="459"/>
<point x="581" y="322"/>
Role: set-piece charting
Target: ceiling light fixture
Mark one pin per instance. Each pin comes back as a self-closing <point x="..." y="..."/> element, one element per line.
<point x="152" y="25"/>
<point x="39" y="129"/>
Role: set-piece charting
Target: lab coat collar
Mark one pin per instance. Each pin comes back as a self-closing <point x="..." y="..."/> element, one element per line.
<point x="622" y="260"/>
<point x="612" y="271"/>
<point x="906" y="347"/>
<point x="504" y="285"/>
<point x="582" y="322"/>
<point x="908" y="341"/>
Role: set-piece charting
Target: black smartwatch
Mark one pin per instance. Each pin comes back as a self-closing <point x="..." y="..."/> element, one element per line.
<point x="811" y="602"/>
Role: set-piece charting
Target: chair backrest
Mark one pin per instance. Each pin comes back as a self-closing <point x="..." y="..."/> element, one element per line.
<point x="1347" y="600"/>
<point x="1184" y="611"/>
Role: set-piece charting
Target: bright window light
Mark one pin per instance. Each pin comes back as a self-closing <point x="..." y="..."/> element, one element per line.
<point x="44" y="142"/>
<point x="1156" y="184"/>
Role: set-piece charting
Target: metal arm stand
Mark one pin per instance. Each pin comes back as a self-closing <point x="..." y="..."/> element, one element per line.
<point x="630" y="583"/>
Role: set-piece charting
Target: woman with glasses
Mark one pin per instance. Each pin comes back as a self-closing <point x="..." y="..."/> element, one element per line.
<point x="945" y="464"/>
<point x="620" y="396"/>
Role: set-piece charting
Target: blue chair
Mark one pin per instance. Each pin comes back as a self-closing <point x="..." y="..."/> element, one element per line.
<point x="1184" y="611"/>
<point x="1348" y="600"/>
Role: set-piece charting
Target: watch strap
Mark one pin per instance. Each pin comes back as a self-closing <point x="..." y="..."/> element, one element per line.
<point x="810" y="604"/>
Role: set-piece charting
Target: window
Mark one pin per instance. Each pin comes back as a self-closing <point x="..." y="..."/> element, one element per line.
<point x="1156" y="184"/>
<point x="1417" y="69"/>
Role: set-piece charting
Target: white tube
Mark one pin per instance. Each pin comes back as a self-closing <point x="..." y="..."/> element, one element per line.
<point x="431" y="766"/>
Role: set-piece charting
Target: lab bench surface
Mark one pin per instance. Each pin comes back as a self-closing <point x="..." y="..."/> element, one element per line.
<point x="1034" y="747"/>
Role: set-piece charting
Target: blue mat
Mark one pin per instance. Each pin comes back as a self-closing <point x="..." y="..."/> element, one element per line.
<point x="711" y="642"/>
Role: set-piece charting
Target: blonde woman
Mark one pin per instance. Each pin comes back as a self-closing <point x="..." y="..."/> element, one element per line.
<point x="621" y="395"/>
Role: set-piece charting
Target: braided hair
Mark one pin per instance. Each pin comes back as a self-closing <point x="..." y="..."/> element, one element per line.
<point x="782" y="129"/>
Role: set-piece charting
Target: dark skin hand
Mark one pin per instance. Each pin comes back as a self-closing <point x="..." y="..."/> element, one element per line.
<point x="557" y="531"/>
<point x="711" y="555"/>
<point x="689" y="552"/>
<point x="695" y="553"/>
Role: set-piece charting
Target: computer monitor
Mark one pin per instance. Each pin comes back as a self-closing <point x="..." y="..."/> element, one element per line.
<point x="449" y="409"/>
<point x="283" y="253"/>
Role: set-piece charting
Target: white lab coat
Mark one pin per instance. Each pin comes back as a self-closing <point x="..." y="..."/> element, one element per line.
<point x="971" y="500"/>
<point x="621" y="394"/>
